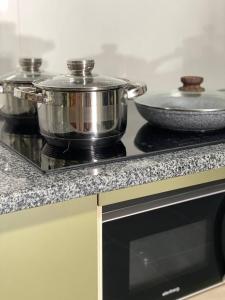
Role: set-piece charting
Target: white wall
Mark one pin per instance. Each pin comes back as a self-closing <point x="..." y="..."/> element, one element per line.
<point x="155" y="41"/>
<point x="9" y="41"/>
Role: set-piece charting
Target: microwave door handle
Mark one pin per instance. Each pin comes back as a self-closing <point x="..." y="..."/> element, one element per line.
<point x="222" y="240"/>
<point x="219" y="238"/>
<point x="221" y="229"/>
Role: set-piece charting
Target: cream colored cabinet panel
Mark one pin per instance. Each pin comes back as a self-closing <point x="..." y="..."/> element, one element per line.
<point x="50" y="253"/>
<point x="217" y="293"/>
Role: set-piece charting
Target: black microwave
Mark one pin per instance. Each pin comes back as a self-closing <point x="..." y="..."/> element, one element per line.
<point x="164" y="247"/>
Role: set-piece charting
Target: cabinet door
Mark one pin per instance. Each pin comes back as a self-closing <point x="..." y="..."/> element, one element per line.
<point x="50" y="253"/>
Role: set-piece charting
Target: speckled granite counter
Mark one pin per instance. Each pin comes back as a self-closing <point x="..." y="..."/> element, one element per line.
<point x="23" y="186"/>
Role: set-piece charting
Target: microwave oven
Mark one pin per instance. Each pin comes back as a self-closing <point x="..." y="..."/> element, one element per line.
<point x="167" y="247"/>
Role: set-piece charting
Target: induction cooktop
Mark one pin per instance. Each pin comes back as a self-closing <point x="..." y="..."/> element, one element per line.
<point x="139" y="140"/>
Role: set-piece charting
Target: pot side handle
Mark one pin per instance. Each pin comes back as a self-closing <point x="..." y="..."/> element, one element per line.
<point x="28" y="93"/>
<point x="135" y="89"/>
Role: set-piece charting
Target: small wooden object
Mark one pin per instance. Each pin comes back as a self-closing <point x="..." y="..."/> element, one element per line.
<point x="192" y="84"/>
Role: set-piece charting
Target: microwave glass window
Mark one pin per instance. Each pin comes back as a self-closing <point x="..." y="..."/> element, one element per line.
<point x="164" y="255"/>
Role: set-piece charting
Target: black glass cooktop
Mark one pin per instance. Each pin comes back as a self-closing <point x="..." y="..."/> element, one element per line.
<point x="139" y="140"/>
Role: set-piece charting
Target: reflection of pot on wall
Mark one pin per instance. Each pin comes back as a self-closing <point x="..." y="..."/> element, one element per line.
<point x="26" y="141"/>
<point x="81" y="108"/>
<point x="3" y="99"/>
<point x="12" y="107"/>
<point x="55" y="157"/>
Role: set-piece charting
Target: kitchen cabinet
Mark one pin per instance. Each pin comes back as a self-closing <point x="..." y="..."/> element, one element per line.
<point x="53" y="252"/>
<point x="50" y="252"/>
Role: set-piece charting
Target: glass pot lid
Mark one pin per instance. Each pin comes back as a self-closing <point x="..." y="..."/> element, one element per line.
<point x="28" y="72"/>
<point x="190" y="97"/>
<point x="80" y="78"/>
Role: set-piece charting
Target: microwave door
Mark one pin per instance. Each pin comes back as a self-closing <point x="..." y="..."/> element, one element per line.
<point x="164" y="254"/>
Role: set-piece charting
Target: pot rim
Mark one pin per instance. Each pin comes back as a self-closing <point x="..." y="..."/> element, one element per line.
<point x="157" y="101"/>
<point x="41" y="84"/>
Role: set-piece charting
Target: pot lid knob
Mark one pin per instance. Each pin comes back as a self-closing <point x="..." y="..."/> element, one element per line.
<point x="81" y="67"/>
<point x="192" y="84"/>
<point x="30" y="64"/>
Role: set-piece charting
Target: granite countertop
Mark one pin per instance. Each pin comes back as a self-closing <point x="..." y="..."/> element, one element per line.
<point x="22" y="186"/>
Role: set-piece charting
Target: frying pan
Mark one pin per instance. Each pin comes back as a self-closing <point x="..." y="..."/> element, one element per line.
<point x="188" y="109"/>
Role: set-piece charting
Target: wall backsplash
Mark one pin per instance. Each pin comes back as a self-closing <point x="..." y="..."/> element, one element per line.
<point x="155" y="41"/>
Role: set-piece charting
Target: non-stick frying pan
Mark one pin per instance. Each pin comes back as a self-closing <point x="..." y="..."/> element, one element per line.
<point x="188" y="109"/>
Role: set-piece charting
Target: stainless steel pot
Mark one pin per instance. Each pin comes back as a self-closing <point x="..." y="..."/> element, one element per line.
<point x="81" y="109"/>
<point x="189" y="109"/>
<point x="14" y="108"/>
